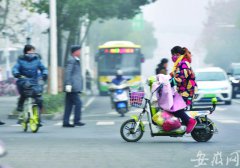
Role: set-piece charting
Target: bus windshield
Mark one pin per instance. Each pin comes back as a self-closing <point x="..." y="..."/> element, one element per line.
<point x="130" y="64"/>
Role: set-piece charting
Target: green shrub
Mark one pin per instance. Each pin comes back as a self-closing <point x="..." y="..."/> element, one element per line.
<point x="53" y="103"/>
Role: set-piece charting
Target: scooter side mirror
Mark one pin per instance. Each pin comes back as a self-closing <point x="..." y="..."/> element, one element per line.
<point x="214" y="101"/>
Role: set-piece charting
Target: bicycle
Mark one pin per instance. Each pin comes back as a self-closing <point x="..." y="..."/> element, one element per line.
<point x="31" y="110"/>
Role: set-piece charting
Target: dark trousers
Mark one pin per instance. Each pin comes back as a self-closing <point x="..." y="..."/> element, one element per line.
<point x="20" y="88"/>
<point x="72" y="99"/>
<point x="181" y="114"/>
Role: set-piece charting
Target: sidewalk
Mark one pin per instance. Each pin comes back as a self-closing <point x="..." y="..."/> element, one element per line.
<point x="7" y="105"/>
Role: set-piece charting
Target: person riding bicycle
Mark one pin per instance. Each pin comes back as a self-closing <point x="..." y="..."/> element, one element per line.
<point x="28" y="66"/>
<point x="119" y="78"/>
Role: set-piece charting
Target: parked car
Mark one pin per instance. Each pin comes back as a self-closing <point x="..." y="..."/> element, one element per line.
<point x="234" y="74"/>
<point x="213" y="82"/>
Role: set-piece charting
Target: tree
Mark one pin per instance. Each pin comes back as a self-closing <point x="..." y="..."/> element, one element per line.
<point x="71" y="14"/>
<point x="116" y="29"/>
<point x="222" y="33"/>
<point x="4" y="6"/>
<point x="12" y="20"/>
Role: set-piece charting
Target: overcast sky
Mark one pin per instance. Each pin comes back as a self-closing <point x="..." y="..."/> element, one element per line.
<point x="176" y="22"/>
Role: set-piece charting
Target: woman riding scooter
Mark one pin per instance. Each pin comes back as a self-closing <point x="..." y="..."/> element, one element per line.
<point x="185" y="79"/>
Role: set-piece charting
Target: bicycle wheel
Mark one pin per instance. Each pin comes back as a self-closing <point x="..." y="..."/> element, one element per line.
<point x="25" y="126"/>
<point x="34" y="121"/>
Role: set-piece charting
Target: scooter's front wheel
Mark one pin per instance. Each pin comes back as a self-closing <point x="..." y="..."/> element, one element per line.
<point x="127" y="131"/>
<point x="203" y="135"/>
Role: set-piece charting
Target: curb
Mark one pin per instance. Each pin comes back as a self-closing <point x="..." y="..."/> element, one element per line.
<point x="43" y="116"/>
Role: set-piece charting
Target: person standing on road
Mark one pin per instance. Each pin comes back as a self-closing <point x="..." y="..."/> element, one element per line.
<point x="185" y="79"/>
<point x="162" y="67"/>
<point x="73" y="83"/>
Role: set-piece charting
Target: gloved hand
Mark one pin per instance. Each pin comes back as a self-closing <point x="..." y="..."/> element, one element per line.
<point x="68" y="88"/>
<point x="18" y="75"/>
<point x="45" y="77"/>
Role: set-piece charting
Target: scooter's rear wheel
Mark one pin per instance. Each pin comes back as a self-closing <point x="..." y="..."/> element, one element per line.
<point x="203" y="135"/>
<point x="127" y="131"/>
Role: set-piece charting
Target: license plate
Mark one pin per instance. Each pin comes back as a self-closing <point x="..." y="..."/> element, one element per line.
<point x="209" y="95"/>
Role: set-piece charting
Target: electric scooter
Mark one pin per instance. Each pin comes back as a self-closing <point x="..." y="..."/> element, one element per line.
<point x="133" y="129"/>
<point x="119" y="97"/>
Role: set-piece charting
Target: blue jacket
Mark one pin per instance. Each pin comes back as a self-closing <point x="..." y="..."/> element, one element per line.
<point x="29" y="65"/>
<point x="118" y="80"/>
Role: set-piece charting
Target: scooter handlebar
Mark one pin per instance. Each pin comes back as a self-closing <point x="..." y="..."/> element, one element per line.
<point x="211" y="109"/>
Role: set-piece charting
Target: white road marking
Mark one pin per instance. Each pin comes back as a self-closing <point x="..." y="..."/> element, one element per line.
<point x="221" y="109"/>
<point x="130" y="112"/>
<point x="105" y="123"/>
<point x="58" y="124"/>
<point x="89" y="102"/>
<point x="236" y="101"/>
<point x="228" y="121"/>
<point x="16" y="125"/>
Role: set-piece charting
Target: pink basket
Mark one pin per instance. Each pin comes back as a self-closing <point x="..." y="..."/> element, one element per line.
<point x="136" y="98"/>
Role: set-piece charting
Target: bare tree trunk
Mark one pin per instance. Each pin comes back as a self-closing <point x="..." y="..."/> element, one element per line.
<point x="74" y="37"/>
<point x="4" y="15"/>
<point x="86" y="33"/>
<point x="70" y="41"/>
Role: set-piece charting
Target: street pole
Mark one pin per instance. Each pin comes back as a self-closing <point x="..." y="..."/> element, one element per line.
<point x="83" y="59"/>
<point x="53" y="45"/>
